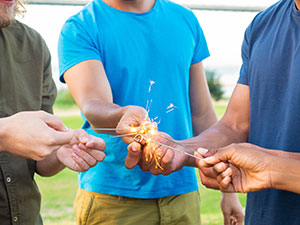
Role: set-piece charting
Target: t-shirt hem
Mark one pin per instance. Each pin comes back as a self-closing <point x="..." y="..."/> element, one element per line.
<point x="141" y="194"/>
<point x="242" y="81"/>
<point x="200" y="59"/>
<point x="73" y="63"/>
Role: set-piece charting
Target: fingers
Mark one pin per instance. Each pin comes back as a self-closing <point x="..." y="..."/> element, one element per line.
<point x="227" y="219"/>
<point x="166" y="161"/>
<point x="133" y="156"/>
<point x="53" y="121"/>
<point x="81" y="164"/>
<point x="209" y="182"/>
<point x="60" y="138"/>
<point x="89" y="159"/>
<point x="95" y="143"/>
<point x="220" y="167"/>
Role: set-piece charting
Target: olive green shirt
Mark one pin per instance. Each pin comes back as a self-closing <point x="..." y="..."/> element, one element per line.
<point x="26" y="84"/>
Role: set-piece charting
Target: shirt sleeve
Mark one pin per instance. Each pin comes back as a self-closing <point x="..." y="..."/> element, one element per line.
<point x="49" y="87"/>
<point x="75" y="45"/>
<point x="201" y="51"/>
<point x="243" y="79"/>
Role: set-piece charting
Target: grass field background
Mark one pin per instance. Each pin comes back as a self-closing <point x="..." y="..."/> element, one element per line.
<point x="58" y="192"/>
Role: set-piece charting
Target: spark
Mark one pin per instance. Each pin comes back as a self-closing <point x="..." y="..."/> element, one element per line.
<point x="148" y="106"/>
<point x="150" y="86"/>
<point x="170" y="110"/>
<point x="171" y="107"/>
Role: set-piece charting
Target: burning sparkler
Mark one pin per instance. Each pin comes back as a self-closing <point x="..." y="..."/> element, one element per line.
<point x="146" y="134"/>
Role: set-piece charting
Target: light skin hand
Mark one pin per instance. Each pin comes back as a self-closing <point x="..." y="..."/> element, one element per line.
<point x="133" y="116"/>
<point x="241" y="168"/>
<point x="45" y="133"/>
<point x="83" y="152"/>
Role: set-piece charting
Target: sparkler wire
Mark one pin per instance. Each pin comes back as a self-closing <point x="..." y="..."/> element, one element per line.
<point x="175" y="149"/>
<point x="107" y="129"/>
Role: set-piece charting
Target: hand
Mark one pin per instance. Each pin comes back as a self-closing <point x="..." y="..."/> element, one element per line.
<point x="82" y="153"/>
<point x="207" y="174"/>
<point x="33" y="135"/>
<point x="168" y="160"/>
<point x="133" y="116"/>
<point x="241" y="168"/>
<point x="232" y="209"/>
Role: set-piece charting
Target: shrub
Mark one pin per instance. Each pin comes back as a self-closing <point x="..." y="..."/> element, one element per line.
<point x="214" y="85"/>
<point x="64" y="99"/>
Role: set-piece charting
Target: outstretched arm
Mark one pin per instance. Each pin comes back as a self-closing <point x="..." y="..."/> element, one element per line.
<point x="91" y="90"/>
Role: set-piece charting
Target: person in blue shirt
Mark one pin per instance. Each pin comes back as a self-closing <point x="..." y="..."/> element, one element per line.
<point x="264" y="110"/>
<point x="119" y="57"/>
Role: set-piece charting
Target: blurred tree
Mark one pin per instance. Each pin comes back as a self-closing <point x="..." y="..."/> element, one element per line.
<point x="64" y="99"/>
<point x="214" y="85"/>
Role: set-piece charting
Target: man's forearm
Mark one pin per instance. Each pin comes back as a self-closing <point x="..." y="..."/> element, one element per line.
<point x="285" y="174"/>
<point x="283" y="154"/>
<point x="102" y="114"/>
<point x="49" y="166"/>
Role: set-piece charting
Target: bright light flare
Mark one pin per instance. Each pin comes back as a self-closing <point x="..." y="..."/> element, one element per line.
<point x="133" y="130"/>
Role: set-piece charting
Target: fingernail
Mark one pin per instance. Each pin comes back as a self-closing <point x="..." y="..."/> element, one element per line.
<point x="197" y="154"/>
<point x="84" y="139"/>
<point x="76" y="148"/>
<point x="208" y="159"/>
<point x="135" y="148"/>
<point x="202" y="150"/>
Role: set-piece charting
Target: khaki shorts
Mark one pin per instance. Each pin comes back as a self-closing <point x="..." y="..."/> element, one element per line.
<point x="101" y="209"/>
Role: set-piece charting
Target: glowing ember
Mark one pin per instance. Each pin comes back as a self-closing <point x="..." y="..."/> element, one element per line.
<point x="145" y="133"/>
<point x="150" y="87"/>
<point x="133" y="130"/>
<point x="171" y="107"/>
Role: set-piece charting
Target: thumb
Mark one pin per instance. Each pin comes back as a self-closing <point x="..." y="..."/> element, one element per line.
<point x="222" y="155"/>
<point x="133" y="156"/>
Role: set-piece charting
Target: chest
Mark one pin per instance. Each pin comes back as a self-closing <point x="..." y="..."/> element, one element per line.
<point x="274" y="65"/>
<point x="143" y="44"/>
<point x="21" y="76"/>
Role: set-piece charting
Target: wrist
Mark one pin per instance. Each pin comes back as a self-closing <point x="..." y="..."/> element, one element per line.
<point x="3" y="132"/>
<point x="279" y="173"/>
<point x="188" y="160"/>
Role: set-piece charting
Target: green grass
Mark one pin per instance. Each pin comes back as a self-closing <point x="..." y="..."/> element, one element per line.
<point x="58" y="192"/>
<point x="74" y="122"/>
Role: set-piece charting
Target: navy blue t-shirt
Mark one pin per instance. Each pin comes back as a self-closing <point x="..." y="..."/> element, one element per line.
<point x="271" y="69"/>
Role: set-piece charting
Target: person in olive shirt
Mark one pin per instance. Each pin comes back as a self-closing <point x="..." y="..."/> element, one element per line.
<point x="26" y="84"/>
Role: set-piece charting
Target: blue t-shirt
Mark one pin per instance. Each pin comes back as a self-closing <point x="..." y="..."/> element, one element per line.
<point x="135" y="49"/>
<point x="271" y="68"/>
